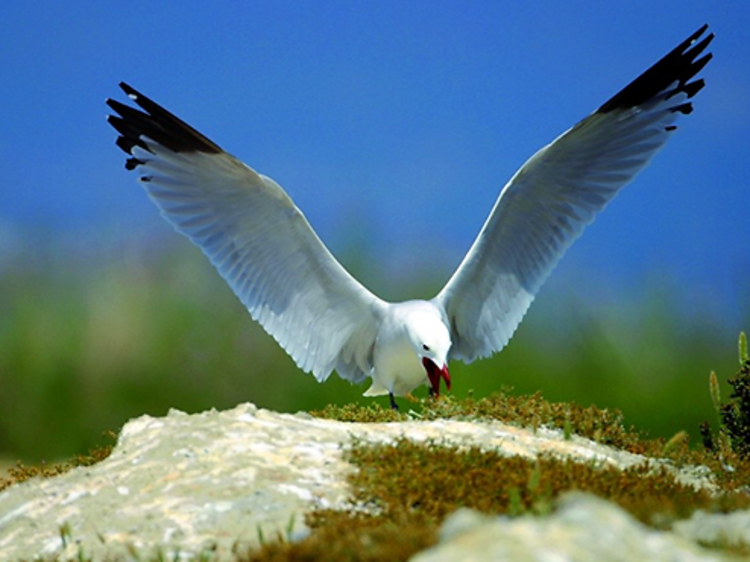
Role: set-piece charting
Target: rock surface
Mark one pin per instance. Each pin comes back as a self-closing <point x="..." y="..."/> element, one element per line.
<point x="729" y="529"/>
<point x="583" y="528"/>
<point x="189" y="484"/>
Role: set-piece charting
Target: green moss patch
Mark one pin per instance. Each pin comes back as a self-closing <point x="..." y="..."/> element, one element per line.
<point x="409" y="488"/>
<point x="370" y="413"/>
<point x="350" y="536"/>
<point x="21" y="473"/>
<point x="601" y="425"/>
<point x="412" y="487"/>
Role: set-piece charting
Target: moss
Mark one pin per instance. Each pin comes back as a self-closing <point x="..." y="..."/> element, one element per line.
<point x="21" y="473"/>
<point x="601" y="425"/>
<point x="604" y="426"/>
<point x="412" y="487"/>
<point x="349" y="536"/>
<point x="435" y="480"/>
<point x="371" y="413"/>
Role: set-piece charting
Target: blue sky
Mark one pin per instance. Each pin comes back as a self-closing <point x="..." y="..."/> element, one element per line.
<point x="400" y="119"/>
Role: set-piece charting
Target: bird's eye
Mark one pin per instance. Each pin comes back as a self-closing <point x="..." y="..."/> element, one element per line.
<point x="425" y="347"/>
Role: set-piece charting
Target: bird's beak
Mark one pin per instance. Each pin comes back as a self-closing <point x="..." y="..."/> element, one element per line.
<point x="435" y="373"/>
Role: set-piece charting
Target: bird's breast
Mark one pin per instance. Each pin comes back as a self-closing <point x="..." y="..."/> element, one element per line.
<point x="397" y="368"/>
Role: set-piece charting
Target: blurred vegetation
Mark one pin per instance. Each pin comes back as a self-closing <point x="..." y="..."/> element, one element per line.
<point x="87" y="343"/>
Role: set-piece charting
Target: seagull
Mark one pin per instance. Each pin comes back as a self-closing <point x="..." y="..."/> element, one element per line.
<point x="265" y="249"/>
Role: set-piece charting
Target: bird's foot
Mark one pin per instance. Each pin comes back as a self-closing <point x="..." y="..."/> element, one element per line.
<point x="394" y="406"/>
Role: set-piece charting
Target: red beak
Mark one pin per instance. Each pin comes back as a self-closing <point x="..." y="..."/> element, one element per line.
<point x="434" y="373"/>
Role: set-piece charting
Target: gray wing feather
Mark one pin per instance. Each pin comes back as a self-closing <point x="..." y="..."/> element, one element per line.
<point x="258" y="240"/>
<point x="555" y="194"/>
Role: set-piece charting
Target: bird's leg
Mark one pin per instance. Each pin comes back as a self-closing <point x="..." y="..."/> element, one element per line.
<point x="394" y="406"/>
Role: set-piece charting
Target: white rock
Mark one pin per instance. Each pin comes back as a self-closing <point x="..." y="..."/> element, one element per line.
<point x="194" y="483"/>
<point x="583" y="528"/>
<point x="728" y="529"/>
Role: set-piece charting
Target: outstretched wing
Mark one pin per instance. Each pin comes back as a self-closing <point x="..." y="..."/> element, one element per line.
<point x="556" y="193"/>
<point x="257" y="239"/>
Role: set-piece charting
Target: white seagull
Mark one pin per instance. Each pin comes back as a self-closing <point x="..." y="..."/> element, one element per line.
<point x="263" y="246"/>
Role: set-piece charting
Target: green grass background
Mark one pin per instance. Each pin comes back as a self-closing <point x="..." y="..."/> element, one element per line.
<point x="88" y="342"/>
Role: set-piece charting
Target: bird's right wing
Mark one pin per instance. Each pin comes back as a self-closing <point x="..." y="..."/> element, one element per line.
<point x="257" y="239"/>
<point x="556" y="193"/>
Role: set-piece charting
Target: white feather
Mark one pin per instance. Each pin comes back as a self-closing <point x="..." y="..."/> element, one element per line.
<point x="263" y="246"/>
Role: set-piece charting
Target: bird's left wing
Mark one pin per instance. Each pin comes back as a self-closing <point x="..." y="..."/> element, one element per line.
<point x="556" y="193"/>
<point x="257" y="239"/>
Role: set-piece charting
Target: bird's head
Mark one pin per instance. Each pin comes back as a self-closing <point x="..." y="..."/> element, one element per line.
<point x="431" y="341"/>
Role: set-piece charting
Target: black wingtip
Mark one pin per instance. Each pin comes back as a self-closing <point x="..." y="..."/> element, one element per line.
<point x="151" y="121"/>
<point x="679" y="66"/>
<point x="129" y="90"/>
<point x="701" y="30"/>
